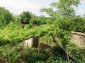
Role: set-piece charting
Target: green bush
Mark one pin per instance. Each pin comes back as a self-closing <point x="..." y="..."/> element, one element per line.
<point x="5" y="16"/>
<point x="25" y="16"/>
<point x="33" y="56"/>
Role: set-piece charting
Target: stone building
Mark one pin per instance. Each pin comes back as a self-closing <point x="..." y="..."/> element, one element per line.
<point x="78" y="39"/>
<point x="34" y="43"/>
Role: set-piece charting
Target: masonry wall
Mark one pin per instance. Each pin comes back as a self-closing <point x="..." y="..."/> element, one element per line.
<point x="78" y="39"/>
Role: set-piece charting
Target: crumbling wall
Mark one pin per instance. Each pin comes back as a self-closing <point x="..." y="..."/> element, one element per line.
<point x="27" y="43"/>
<point x="78" y="39"/>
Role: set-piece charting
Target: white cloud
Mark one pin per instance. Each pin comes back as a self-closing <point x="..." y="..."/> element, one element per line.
<point x="18" y="6"/>
<point x="82" y="1"/>
<point x="80" y="11"/>
<point x="81" y="8"/>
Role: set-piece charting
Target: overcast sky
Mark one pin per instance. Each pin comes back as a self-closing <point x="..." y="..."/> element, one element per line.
<point x="34" y="6"/>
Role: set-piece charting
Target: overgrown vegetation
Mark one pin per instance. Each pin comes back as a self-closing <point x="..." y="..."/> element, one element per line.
<point x="5" y="17"/>
<point x="61" y="21"/>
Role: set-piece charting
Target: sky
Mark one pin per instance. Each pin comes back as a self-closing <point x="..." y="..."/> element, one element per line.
<point x="18" y="6"/>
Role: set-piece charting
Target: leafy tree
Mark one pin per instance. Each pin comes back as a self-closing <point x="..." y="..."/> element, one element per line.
<point x="61" y="8"/>
<point x="38" y="20"/>
<point x="78" y="24"/>
<point x="25" y="16"/>
<point x="16" y="19"/>
<point x="62" y="13"/>
<point x="59" y="26"/>
<point x="5" y="16"/>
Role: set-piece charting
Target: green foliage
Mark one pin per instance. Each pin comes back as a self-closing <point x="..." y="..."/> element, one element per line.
<point x="14" y="32"/>
<point x="8" y="52"/>
<point x="61" y="8"/>
<point x="26" y="16"/>
<point x="64" y="8"/>
<point x="33" y="56"/>
<point x="13" y="55"/>
<point x="38" y="20"/>
<point x="78" y="54"/>
<point x="5" y="16"/>
<point x="61" y="22"/>
<point x="64" y="20"/>
<point x="16" y="19"/>
<point x="78" y="24"/>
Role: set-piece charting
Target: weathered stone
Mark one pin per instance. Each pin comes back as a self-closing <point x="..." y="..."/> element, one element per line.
<point x="78" y="39"/>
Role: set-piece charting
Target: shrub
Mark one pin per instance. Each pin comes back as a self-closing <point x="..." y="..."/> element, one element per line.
<point x="5" y="16"/>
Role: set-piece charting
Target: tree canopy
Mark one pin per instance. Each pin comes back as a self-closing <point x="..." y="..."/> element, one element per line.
<point x="5" y="16"/>
<point x="63" y="17"/>
<point x="58" y="25"/>
<point x="26" y="16"/>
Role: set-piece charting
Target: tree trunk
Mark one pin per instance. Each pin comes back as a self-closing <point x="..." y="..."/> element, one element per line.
<point x="61" y="49"/>
<point x="64" y="52"/>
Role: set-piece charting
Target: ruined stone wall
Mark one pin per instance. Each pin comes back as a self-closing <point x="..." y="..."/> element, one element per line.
<point x="27" y="43"/>
<point x="78" y="39"/>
